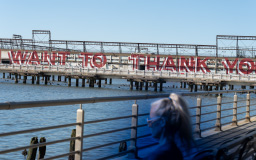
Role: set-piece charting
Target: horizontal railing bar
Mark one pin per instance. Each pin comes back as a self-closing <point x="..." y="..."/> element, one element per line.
<point x="193" y="116"/>
<point x="106" y="132"/>
<point x="227" y="116"/>
<point x="37" y="145"/>
<point x="208" y="120"/>
<point x="241" y="112"/>
<point x="227" y="109"/>
<point x="227" y="102"/>
<point x="241" y="119"/>
<point x="209" y="113"/>
<point x="241" y="107"/>
<point x="144" y="114"/>
<point x="62" y="155"/>
<point x="107" y="144"/>
<point x="146" y="135"/>
<point x="31" y="104"/>
<point x="37" y="129"/>
<point x="116" y="155"/>
<point x="108" y="119"/>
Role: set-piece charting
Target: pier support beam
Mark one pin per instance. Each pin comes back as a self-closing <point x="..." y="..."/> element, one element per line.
<point x="59" y="78"/>
<point x="33" y="80"/>
<point x="16" y="78"/>
<point x="155" y="86"/>
<point x="10" y="75"/>
<point x="91" y="82"/>
<point x="251" y="87"/>
<point x="106" y="81"/>
<point x="243" y="87"/>
<point x="38" y="79"/>
<point x="77" y="82"/>
<point x="181" y="84"/>
<point x="87" y="80"/>
<point x="45" y="80"/>
<point x="99" y="83"/>
<point x="146" y="86"/>
<point x="210" y="88"/>
<point x="19" y="76"/>
<point x="83" y="82"/>
<point x="184" y="83"/>
<point x="201" y="87"/>
<point x="141" y="84"/>
<point x="53" y="78"/>
<point x="69" y="81"/>
<point x="131" y="84"/>
<point x="24" y="79"/>
<point x="3" y="75"/>
<point x="191" y="87"/>
<point x="137" y="85"/>
<point x="195" y="90"/>
<point x="161" y="86"/>
<point x="110" y="80"/>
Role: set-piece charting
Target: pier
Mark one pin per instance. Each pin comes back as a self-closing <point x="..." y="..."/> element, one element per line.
<point x="196" y="67"/>
<point x="227" y="134"/>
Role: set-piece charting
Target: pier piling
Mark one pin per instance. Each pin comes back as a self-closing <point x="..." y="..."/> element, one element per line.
<point x="83" y="82"/>
<point x="69" y="81"/>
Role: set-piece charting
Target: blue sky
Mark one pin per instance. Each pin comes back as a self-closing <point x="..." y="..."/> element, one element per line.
<point x="162" y="21"/>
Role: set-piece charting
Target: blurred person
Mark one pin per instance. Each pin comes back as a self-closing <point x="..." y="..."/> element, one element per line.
<point x="170" y="125"/>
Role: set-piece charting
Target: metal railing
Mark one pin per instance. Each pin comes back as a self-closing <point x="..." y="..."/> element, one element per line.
<point x="133" y="148"/>
<point x="123" y="72"/>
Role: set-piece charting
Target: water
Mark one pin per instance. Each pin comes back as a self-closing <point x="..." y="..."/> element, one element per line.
<point x="21" y="119"/>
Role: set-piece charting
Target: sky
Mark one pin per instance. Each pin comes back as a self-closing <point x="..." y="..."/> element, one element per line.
<point x="143" y="21"/>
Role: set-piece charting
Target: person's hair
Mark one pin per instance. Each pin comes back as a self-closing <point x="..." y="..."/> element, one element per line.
<point x="175" y="112"/>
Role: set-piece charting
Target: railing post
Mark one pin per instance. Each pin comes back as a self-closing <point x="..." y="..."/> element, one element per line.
<point x="218" y="118"/>
<point x="234" y="120"/>
<point x="134" y="154"/>
<point x="247" y="117"/>
<point x="198" y="118"/>
<point x="79" y="133"/>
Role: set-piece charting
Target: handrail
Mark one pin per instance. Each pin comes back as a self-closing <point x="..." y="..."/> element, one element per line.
<point x="31" y="104"/>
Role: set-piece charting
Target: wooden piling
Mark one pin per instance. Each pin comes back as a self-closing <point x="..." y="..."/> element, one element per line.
<point x="137" y="85"/>
<point x="45" y="80"/>
<point x="10" y="75"/>
<point x="99" y="85"/>
<point x="3" y="75"/>
<point x="180" y="84"/>
<point x="59" y="78"/>
<point x="24" y="79"/>
<point x="32" y="151"/>
<point x="110" y="80"/>
<point x="141" y="84"/>
<point x="38" y="79"/>
<point x="131" y="84"/>
<point x="161" y="86"/>
<point x="16" y="78"/>
<point x="77" y="82"/>
<point x="19" y="76"/>
<point x="146" y="86"/>
<point x="33" y="79"/>
<point x="155" y="86"/>
<point x="72" y="145"/>
<point x="184" y="83"/>
<point x="91" y="83"/>
<point x="195" y="90"/>
<point x="83" y="82"/>
<point x="106" y="81"/>
<point x="53" y="78"/>
<point x="42" y="149"/>
<point x="69" y="81"/>
<point x="210" y="88"/>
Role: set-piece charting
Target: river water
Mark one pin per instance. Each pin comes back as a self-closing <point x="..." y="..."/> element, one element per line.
<point x="21" y="119"/>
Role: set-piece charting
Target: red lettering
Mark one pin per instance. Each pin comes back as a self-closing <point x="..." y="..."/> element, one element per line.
<point x="154" y="65"/>
<point x="17" y="57"/>
<point x="169" y="64"/>
<point x="62" y="57"/>
<point x="188" y="65"/>
<point x="103" y="60"/>
<point x="249" y="65"/>
<point x="85" y="58"/>
<point x="50" y="59"/>
<point x="201" y="65"/>
<point x="229" y="66"/>
<point x="33" y="58"/>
